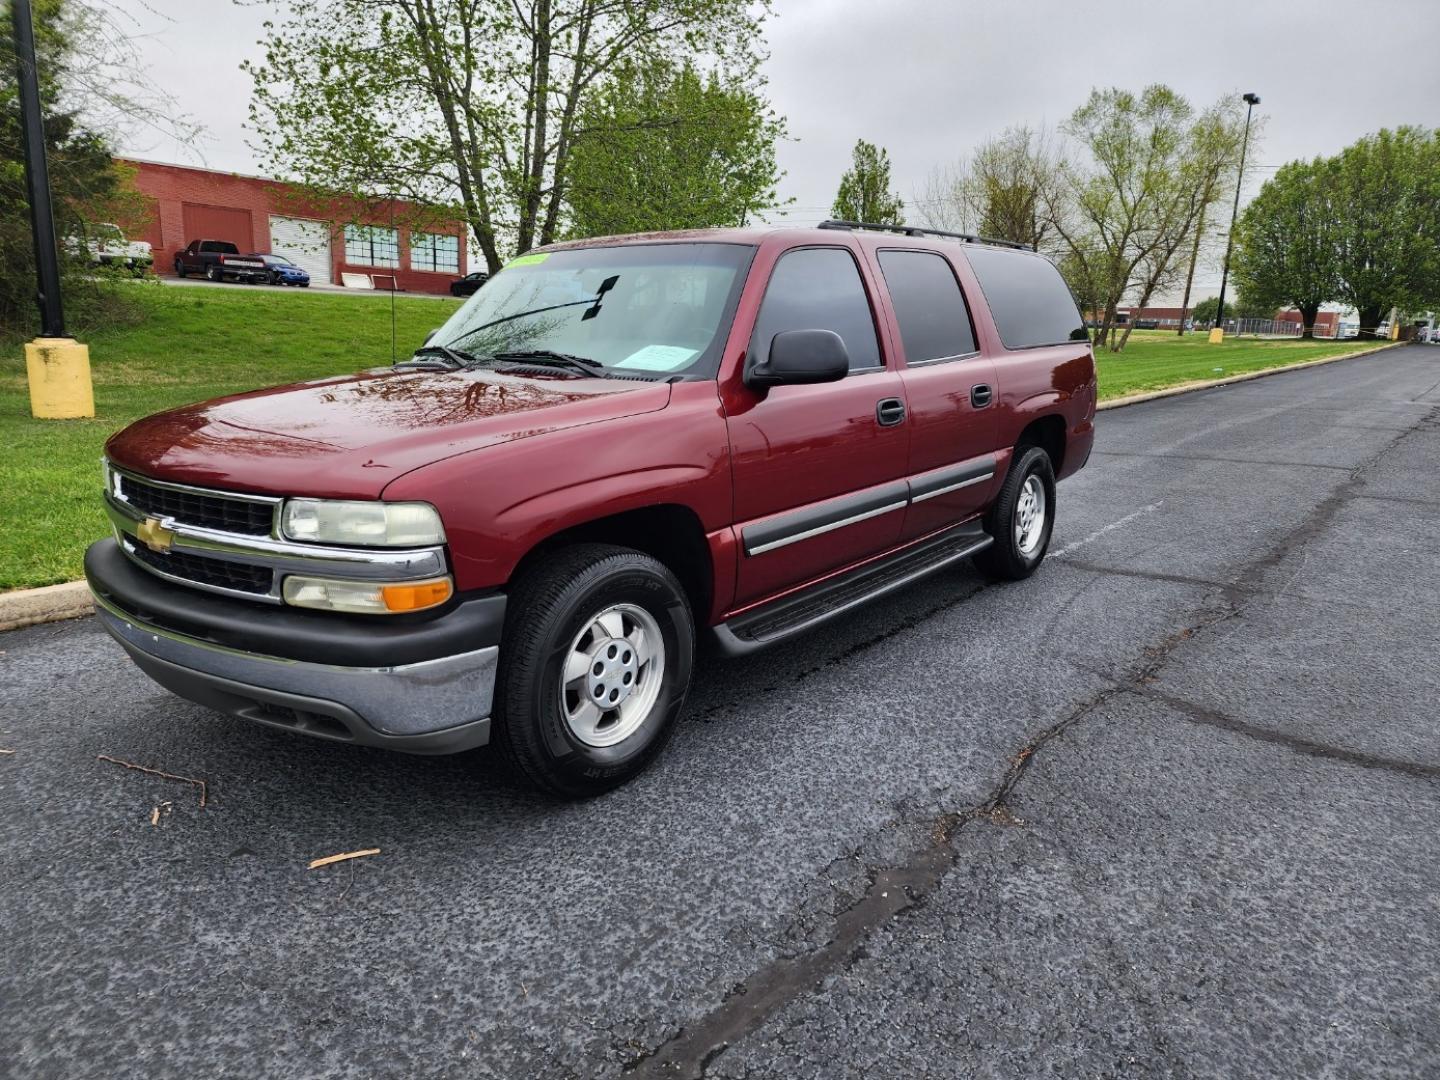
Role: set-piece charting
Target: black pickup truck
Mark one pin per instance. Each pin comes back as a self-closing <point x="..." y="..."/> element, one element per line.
<point x="218" y="260"/>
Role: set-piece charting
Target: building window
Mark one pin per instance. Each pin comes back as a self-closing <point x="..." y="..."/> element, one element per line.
<point x="371" y="245"/>
<point x="435" y="252"/>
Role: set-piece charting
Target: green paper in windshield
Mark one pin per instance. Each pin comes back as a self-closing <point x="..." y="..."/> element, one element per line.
<point x="528" y="260"/>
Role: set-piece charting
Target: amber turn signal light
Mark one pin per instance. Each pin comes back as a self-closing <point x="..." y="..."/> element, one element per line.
<point x="416" y="596"/>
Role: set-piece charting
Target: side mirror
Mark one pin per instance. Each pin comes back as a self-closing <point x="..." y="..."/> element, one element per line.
<point x="431" y="335"/>
<point x="801" y="357"/>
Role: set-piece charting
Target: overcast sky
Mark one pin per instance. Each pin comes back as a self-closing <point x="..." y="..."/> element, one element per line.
<point x="929" y="80"/>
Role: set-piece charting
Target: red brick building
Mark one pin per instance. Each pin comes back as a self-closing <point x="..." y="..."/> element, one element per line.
<point x="401" y="246"/>
<point x="1327" y="323"/>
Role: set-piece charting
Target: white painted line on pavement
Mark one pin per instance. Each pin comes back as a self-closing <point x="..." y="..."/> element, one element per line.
<point x="1068" y="548"/>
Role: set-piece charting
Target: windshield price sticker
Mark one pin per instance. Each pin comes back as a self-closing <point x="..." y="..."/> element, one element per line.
<point x="658" y="358"/>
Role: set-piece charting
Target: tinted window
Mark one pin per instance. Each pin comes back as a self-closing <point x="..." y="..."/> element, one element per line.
<point x="818" y="289"/>
<point x="934" y="322"/>
<point x="1028" y="298"/>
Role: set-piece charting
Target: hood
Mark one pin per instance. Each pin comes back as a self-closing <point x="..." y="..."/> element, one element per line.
<point x="348" y="437"/>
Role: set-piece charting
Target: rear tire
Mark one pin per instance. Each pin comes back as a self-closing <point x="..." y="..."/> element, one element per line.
<point x="1021" y="519"/>
<point x="578" y="631"/>
<point x="214" y="273"/>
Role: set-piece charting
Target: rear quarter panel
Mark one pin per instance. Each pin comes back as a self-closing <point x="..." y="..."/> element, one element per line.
<point x="1049" y="380"/>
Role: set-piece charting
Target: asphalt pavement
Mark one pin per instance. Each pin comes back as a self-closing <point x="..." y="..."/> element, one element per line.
<point x="1168" y="808"/>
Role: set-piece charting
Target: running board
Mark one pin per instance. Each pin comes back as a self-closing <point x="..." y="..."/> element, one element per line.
<point x="796" y="614"/>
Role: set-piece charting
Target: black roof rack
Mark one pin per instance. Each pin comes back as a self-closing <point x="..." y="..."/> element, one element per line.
<point x="916" y="230"/>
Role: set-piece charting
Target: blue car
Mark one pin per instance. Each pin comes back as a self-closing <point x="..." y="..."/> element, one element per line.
<point x="284" y="272"/>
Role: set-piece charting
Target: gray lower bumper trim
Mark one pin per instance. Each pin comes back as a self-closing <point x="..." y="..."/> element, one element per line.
<point x="375" y="705"/>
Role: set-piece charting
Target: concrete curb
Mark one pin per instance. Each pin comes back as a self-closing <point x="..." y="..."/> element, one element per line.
<point x="1192" y="387"/>
<point x="26" y="607"/>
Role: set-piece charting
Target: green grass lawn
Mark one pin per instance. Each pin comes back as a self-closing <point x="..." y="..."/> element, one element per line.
<point x="194" y="343"/>
<point x="198" y="343"/>
<point x="1157" y="359"/>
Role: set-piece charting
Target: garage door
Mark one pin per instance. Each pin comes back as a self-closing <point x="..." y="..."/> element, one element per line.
<point x="219" y="223"/>
<point x="305" y="243"/>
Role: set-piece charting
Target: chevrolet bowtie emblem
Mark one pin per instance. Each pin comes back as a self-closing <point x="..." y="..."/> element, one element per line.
<point x="154" y="535"/>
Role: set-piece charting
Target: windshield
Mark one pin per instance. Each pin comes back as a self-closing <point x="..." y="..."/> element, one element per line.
<point x="656" y="309"/>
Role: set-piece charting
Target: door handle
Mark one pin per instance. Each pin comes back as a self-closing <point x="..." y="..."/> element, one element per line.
<point x="980" y="395"/>
<point x="889" y="411"/>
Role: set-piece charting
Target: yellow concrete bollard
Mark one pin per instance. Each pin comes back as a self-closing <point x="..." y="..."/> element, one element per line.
<point x="1217" y="335"/>
<point x="59" y="374"/>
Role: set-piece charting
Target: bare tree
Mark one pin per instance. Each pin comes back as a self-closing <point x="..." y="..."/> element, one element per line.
<point x="1005" y="190"/>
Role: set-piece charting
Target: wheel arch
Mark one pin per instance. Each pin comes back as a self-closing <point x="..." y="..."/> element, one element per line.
<point x="671" y="533"/>
<point x="1048" y="433"/>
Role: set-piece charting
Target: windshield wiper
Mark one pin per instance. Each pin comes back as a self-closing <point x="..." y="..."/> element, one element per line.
<point x="550" y="358"/>
<point x="438" y="358"/>
<point x="590" y="313"/>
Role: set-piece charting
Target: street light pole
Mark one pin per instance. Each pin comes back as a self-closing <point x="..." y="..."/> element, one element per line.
<point x="1217" y="334"/>
<point x="57" y="368"/>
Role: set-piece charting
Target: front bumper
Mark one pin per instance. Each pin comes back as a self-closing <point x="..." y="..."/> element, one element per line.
<point x="419" y="685"/>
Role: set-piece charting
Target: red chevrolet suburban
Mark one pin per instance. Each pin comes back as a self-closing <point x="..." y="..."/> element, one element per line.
<point x="516" y="534"/>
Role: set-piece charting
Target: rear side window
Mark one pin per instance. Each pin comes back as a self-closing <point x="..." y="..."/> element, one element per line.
<point x="224" y="247"/>
<point x="1029" y="299"/>
<point x="818" y="289"/>
<point x="934" y="322"/>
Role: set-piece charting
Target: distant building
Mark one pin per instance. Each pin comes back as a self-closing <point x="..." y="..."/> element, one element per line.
<point x="273" y="217"/>
<point x="1327" y="323"/>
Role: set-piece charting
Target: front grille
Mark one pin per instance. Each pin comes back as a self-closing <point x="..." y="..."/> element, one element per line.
<point x="217" y="573"/>
<point x="193" y="508"/>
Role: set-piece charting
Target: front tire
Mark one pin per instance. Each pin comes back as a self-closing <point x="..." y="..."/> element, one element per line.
<point x="179" y="268"/>
<point x="598" y="648"/>
<point x="1021" y="519"/>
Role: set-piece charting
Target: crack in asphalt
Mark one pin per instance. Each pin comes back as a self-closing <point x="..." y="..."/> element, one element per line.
<point x="1223" y="460"/>
<point x="894" y="890"/>
<point x="1201" y="714"/>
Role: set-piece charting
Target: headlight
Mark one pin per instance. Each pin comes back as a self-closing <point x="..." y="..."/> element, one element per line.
<point x="364" y="524"/>
<point x="366" y="597"/>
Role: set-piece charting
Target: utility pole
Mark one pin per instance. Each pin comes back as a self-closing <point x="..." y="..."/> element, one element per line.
<point x="57" y="367"/>
<point x="1217" y="335"/>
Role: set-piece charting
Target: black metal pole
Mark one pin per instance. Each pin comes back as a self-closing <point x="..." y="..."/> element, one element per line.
<point x="1250" y="102"/>
<point x="395" y="269"/>
<point x="37" y="175"/>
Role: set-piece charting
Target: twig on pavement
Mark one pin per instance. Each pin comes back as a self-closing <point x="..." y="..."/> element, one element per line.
<point x="156" y="772"/>
<point x="316" y="864"/>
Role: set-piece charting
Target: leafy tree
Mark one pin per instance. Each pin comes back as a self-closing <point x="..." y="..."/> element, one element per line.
<point x="1287" y="243"/>
<point x="82" y="60"/>
<point x="1118" y="209"/>
<point x="1244" y="307"/>
<point x="663" y="147"/>
<point x="1216" y="140"/>
<point x="1387" y="189"/>
<point x="865" y="193"/>
<point x="478" y="102"/>
<point x="1206" y="311"/>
